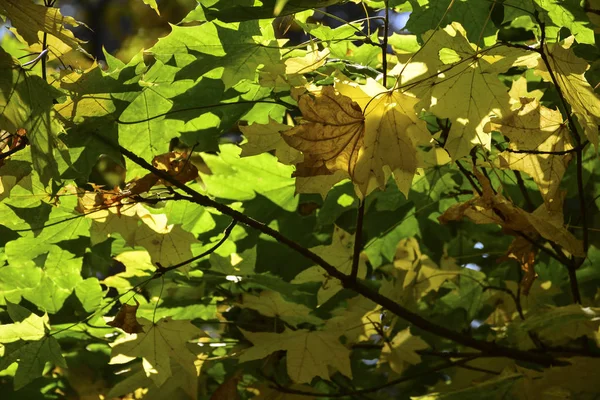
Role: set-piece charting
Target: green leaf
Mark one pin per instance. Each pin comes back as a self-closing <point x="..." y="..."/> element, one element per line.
<point x="473" y="15"/>
<point x="555" y="15"/>
<point x="31" y="328"/>
<point x="237" y="49"/>
<point x="26" y="102"/>
<point x="238" y="178"/>
<point x="32" y="358"/>
<point x="90" y="294"/>
<point x="152" y="4"/>
<point x="244" y="10"/>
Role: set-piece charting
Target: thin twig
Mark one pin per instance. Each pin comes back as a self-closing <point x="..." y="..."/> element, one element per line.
<point x="529" y="206"/>
<point x="467" y="175"/>
<point x="163" y="270"/>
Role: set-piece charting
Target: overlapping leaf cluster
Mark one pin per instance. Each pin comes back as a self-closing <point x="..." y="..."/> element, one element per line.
<point x="406" y="216"/>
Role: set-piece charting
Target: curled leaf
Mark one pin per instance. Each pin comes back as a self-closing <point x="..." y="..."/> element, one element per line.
<point x="127" y="320"/>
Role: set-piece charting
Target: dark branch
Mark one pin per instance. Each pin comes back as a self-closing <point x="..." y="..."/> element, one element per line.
<point x="555" y="153"/>
<point x="467" y="175"/>
<point x="358" y="240"/>
<point x="347" y="282"/>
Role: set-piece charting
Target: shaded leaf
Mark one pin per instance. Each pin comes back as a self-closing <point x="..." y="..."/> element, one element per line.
<point x="309" y="353"/>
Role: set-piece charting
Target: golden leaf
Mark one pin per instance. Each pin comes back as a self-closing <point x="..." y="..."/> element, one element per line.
<point x="365" y="131"/>
<point x="569" y="71"/>
<point x="538" y="129"/>
<point x="469" y="75"/>
<point x="401" y="351"/>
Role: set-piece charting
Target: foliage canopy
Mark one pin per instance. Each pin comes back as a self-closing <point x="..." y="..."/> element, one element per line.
<point x="408" y="216"/>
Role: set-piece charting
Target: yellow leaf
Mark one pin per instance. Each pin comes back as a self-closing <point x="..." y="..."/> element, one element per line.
<point x="307" y="63"/>
<point x="167" y="244"/>
<point x="402" y="350"/>
<point x="163" y="342"/>
<point x="518" y="91"/>
<point x="339" y="254"/>
<point x="473" y="78"/>
<point x="320" y="184"/>
<point x="263" y="138"/>
<point x="421" y="274"/>
<point x="272" y="304"/>
<point x="29" y="18"/>
<point x="536" y="128"/>
<point x="569" y="71"/>
<point x="365" y="131"/>
<point x="309" y="353"/>
<point x="137" y="264"/>
<point x="357" y="320"/>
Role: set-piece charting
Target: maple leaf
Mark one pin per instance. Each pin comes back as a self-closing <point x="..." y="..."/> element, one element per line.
<point x="309" y="353"/>
<point x="33" y="327"/>
<point x="339" y="254"/>
<point x="538" y="129"/>
<point x="450" y="68"/>
<point x="267" y="137"/>
<point x="31" y="358"/>
<point x="569" y="71"/>
<point x="167" y="243"/>
<point x="365" y="131"/>
<point x="491" y="208"/>
<point x="519" y="90"/>
<point x="126" y="319"/>
<point x="421" y="274"/>
<point x="402" y="350"/>
<point x="26" y="102"/>
<point x="272" y="304"/>
<point x="357" y="320"/>
<point x="163" y="342"/>
<point x="29" y="18"/>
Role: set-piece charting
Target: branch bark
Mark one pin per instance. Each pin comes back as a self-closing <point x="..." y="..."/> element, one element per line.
<point x="347" y="282"/>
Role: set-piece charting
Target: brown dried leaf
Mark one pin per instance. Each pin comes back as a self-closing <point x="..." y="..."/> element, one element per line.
<point x="491" y="208"/>
<point x="178" y="165"/>
<point x="228" y="389"/>
<point x="126" y="319"/>
<point x="524" y="253"/>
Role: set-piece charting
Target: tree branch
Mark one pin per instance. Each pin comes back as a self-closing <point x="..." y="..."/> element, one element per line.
<point x="347" y="282"/>
<point x="360" y="215"/>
